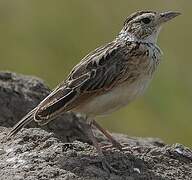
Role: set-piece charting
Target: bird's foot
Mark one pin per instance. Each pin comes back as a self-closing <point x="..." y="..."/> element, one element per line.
<point x="107" y="167"/>
<point x="114" y="144"/>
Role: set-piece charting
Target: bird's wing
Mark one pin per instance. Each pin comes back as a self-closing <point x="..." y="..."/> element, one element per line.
<point x="97" y="73"/>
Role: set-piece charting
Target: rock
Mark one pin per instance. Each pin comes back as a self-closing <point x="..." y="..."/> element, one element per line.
<point x="18" y="95"/>
<point x="62" y="151"/>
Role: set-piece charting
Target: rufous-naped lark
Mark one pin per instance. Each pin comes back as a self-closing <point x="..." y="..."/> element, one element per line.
<point x="108" y="78"/>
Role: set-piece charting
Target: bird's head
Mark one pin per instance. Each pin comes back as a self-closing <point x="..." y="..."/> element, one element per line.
<point x="145" y="25"/>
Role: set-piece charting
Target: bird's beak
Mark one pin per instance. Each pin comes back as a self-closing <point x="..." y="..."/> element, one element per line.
<point x="167" y="16"/>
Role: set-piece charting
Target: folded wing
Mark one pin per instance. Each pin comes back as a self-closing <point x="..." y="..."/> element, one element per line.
<point x="97" y="73"/>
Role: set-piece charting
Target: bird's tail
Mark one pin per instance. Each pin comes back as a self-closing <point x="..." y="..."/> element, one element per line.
<point x="23" y="122"/>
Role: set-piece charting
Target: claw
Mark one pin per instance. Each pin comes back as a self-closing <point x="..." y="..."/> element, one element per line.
<point x="117" y="145"/>
<point x="107" y="167"/>
<point x="105" y="164"/>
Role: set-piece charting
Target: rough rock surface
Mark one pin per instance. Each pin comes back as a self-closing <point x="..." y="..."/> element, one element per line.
<point x="18" y="95"/>
<point x="65" y="153"/>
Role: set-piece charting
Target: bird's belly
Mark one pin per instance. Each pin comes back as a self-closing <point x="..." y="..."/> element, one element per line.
<point x="114" y="99"/>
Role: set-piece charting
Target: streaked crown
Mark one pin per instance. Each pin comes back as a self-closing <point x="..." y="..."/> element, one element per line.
<point x="145" y="25"/>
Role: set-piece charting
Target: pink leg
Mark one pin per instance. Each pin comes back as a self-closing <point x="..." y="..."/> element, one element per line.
<point x="87" y="127"/>
<point x="108" y="135"/>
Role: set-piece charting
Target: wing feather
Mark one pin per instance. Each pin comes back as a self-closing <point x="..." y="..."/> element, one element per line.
<point x="97" y="73"/>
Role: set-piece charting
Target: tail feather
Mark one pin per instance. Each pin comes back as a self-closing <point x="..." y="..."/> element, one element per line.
<point x="23" y="122"/>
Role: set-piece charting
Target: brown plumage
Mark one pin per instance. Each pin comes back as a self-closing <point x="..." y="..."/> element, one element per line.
<point x="109" y="77"/>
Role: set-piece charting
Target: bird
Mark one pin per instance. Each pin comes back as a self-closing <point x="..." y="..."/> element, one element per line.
<point x="108" y="78"/>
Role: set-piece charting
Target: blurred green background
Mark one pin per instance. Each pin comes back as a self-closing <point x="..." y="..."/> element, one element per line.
<point x="47" y="38"/>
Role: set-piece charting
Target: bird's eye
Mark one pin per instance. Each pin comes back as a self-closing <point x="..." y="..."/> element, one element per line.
<point x="146" y="20"/>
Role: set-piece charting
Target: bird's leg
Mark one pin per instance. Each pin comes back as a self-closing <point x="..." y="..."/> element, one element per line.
<point x="88" y="129"/>
<point x="108" y="135"/>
